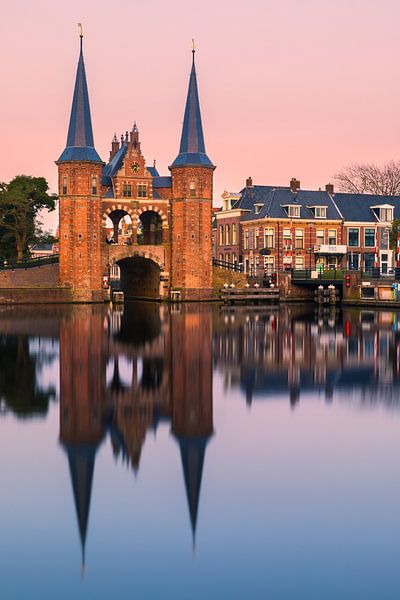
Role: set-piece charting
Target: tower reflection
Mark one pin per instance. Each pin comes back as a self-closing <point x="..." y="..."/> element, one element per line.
<point x="125" y="371"/>
<point x="122" y="373"/>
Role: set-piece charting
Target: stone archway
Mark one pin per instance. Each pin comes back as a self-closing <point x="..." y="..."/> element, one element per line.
<point x="140" y="277"/>
<point x="149" y="228"/>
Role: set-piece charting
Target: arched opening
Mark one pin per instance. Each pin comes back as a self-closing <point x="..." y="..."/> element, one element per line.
<point x="149" y="230"/>
<point x="119" y="228"/>
<point x="140" y="324"/>
<point x="140" y="277"/>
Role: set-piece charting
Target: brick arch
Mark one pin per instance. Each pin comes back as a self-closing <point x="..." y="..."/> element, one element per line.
<point x="114" y="207"/>
<point x="155" y="209"/>
<point x="157" y="255"/>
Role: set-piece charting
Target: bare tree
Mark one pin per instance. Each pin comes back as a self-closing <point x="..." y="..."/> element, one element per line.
<point x="369" y="178"/>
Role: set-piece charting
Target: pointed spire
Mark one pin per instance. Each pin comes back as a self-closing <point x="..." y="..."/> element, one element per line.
<point x="81" y="460"/>
<point x="192" y="456"/>
<point x="80" y="143"/>
<point x="192" y="149"/>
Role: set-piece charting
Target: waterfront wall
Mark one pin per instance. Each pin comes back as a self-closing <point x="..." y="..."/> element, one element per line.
<point x="44" y="276"/>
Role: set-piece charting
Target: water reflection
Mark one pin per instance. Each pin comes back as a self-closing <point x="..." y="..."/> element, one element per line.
<point x="300" y="349"/>
<point x="124" y="371"/>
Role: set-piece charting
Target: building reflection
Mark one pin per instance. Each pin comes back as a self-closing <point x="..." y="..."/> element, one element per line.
<point x="299" y="350"/>
<point x="124" y="371"/>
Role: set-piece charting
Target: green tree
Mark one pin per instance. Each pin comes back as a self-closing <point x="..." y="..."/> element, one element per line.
<point x="394" y="232"/>
<point x="21" y="200"/>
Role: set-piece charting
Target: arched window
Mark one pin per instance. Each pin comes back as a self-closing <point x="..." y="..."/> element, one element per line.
<point x="65" y="185"/>
<point x="94" y="186"/>
<point x="192" y="189"/>
<point x="227" y="234"/>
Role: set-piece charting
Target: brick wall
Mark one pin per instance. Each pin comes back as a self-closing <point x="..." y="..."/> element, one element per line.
<point x="44" y="276"/>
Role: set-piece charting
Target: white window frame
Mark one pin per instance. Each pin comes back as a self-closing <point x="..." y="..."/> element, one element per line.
<point x="269" y="232"/>
<point x="320" y="212"/>
<point x="319" y="237"/>
<point x="293" y="211"/>
<point x="299" y="237"/>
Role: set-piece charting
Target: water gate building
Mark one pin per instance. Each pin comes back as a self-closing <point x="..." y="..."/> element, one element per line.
<point x="169" y="246"/>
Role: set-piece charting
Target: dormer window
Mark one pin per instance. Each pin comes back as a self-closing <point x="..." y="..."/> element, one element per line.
<point x="257" y="208"/>
<point x="293" y="210"/>
<point x="384" y="212"/>
<point x="319" y="211"/>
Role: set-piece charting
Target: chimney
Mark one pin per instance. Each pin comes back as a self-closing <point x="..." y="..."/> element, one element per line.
<point x="249" y="182"/>
<point x="294" y="185"/>
<point x="330" y="189"/>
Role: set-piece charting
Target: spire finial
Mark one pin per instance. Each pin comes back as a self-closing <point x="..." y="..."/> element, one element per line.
<point x="193" y="48"/>
<point x="80" y="29"/>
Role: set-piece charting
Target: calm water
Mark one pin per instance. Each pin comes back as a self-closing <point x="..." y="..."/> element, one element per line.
<point x="199" y="452"/>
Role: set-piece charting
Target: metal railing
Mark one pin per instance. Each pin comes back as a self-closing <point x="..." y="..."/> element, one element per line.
<point x="223" y="264"/>
<point x="28" y="263"/>
<point x="309" y="274"/>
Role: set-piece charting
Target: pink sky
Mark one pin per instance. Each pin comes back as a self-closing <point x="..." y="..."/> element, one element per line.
<point x="287" y="88"/>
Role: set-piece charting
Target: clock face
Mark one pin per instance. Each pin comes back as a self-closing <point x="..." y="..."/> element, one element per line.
<point x="135" y="167"/>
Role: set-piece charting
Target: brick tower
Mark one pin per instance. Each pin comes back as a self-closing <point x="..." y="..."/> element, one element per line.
<point x="79" y="180"/>
<point x="192" y="188"/>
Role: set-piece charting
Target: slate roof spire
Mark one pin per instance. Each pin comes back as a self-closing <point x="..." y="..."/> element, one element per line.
<point x="81" y="460"/>
<point x="192" y="149"/>
<point x="192" y="456"/>
<point x="80" y="143"/>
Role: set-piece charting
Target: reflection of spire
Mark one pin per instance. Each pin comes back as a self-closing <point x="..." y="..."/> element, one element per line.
<point x="116" y="385"/>
<point x="81" y="465"/>
<point x="192" y="456"/>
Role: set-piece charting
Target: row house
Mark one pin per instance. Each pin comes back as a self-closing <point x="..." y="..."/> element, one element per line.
<point x="268" y="229"/>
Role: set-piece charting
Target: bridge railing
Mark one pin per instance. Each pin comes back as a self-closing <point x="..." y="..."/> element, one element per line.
<point x="309" y="274"/>
<point x="28" y="263"/>
<point x="223" y="264"/>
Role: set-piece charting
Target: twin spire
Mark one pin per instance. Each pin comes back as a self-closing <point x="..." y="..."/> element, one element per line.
<point x="192" y="150"/>
<point x="80" y="143"/>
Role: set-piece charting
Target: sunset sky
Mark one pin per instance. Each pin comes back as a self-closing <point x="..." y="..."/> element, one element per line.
<point x="287" y="88"/>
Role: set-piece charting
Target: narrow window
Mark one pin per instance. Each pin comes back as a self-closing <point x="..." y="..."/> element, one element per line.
<point x="142" y="190"/>
<point x="94" y="186"/>
<point x="127" y="190"/>
<point x="354" y="236"/>
<point x="269" y="238"/>
<point x="320" y="237"/>
<point x="64" y="185"/>
<point x="221" y="235"/>
<point x="287" y="239"/>
<point x="369" y="235"/>
<point x="332" y="237"/>
<point x="299" y="240"/>
<point x="227" y="235"/>
<point x="234" y="233"/>
<point x="192" y="189"/>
